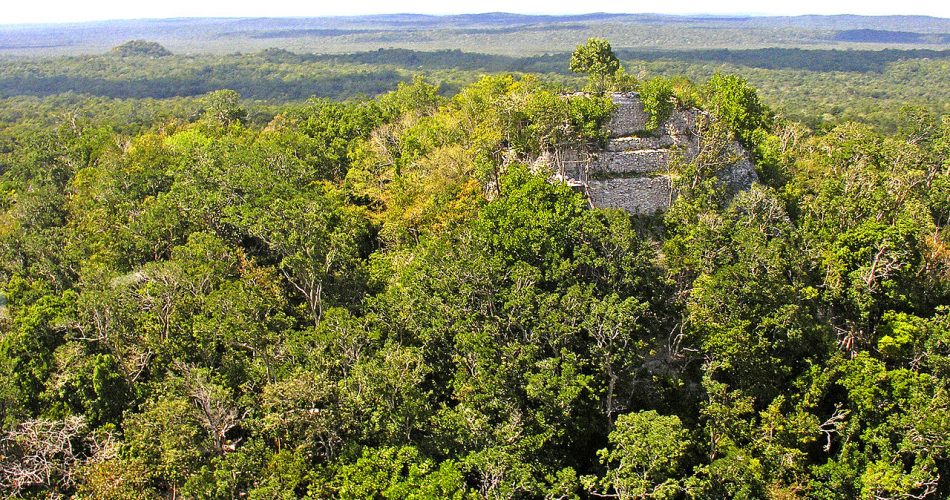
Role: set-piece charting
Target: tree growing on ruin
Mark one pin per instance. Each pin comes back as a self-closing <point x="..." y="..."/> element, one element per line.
<point x="598" y="61"/>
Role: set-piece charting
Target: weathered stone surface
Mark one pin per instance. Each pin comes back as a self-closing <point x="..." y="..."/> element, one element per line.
<point x="618" y="163"/>
<point x="739" y="176"/>
<point x="630" y="117"/>
<point x="635" y="143"/>
<point x="566" y="163"/>
<point x="637" y="195"/>
<point x="630" y="172"/>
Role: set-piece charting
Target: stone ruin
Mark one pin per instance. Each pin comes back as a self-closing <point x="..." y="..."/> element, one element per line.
<point x="633" y="171"/>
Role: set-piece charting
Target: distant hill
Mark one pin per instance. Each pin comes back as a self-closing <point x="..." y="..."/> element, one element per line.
<point x="141" y="48"/>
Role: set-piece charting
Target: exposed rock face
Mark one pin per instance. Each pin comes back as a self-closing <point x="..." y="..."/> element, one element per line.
<point x="633" y="171"/>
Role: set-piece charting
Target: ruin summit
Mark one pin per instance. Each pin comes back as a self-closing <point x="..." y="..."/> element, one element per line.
<point x="633" y="171"/>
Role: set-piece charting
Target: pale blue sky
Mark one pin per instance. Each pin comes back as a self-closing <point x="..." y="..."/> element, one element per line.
<point x="30" y="11"/>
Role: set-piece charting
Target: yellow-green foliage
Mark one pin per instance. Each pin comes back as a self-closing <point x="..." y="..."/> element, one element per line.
<point x="429" y="167"/>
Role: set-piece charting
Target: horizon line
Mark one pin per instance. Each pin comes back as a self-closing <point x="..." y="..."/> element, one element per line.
<point x="357" y="16"/>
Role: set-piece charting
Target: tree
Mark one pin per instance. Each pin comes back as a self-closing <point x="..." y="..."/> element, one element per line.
<point x="598" y="60"/>
<point x="320" y="242"/>
<point x="392" y="473"/>
<point x="223" y="107"/>
<point x="731" y="99"/>
<point x="646" y="449"/>
<point x="168" y="438"/>
<point x="656" y="95"/>
<point x="49" y="454"/>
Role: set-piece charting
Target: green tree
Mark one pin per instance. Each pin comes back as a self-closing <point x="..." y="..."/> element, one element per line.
<point x="223" y="107"/>
<point x="657" y="97"/>
<point x="399" y="473"/>
<point x="598" y="61"/>
<point x="644" y="458"/>
<point x="731" y="99"/>
<point x="320" y="241"/>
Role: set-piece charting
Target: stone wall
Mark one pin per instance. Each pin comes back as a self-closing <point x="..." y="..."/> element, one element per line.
<point x="631" y="172"/>
<point x="620" y="163"/>
<point x="634" y="143"/>
<point x="644" y="194"/>
<point x="630" y="117"/>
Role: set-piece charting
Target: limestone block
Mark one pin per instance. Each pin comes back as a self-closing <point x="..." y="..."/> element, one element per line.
<point x="566" y="162"/>
<point x="681" y="130"/>
<point x="612" y="163"/>
<point x="635" y="143"/>
<point x="637" y="195"/>
<point x="630" y="117"/>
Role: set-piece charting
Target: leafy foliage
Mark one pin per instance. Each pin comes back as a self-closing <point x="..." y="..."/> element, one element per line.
<point x="598" y="60"/>
<point x="657" y="95"/>
<point x="391" y="298"/>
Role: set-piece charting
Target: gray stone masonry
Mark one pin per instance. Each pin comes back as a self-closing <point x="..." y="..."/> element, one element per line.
<point x="646" y="194"/>
<point x="631" y="172"/>
<point x="620" y="163"/>
<point x="637" y="143"/>
<point x="630" y="117"/>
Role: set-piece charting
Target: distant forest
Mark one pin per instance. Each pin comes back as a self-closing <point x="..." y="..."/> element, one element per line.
<point x="810" y="85"/>
<point x="884" y="36"/>
<point x="495" y="33"/>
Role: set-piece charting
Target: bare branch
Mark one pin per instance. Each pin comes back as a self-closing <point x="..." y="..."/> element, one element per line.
<point x="833" y="425"/>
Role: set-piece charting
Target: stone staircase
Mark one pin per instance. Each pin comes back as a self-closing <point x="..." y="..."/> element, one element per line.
<point x="632" y="171"/>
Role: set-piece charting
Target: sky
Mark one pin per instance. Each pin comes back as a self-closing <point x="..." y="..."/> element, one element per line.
<point x="55" y="11"/>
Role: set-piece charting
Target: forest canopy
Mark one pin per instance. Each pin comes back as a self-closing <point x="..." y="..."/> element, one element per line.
<point x="386" y="297"/>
